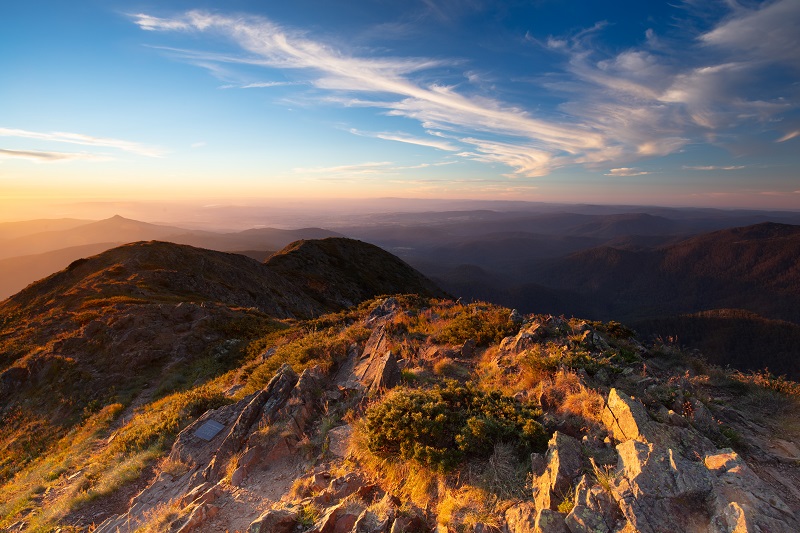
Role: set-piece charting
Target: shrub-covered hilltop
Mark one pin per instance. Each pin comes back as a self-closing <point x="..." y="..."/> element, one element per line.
<point x="414" y="413"/>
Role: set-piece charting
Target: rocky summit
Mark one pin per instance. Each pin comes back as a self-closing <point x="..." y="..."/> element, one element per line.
<point x="333" y="389"/>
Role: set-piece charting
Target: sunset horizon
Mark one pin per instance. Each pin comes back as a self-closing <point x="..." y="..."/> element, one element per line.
<point x="659" y="104"/>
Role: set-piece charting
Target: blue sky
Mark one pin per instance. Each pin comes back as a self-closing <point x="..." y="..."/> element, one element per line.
<point x="679" y="103"/>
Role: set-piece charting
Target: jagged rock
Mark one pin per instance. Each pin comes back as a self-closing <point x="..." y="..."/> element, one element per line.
<point x="264" y="407"/>
<point x="549" y="521"/>
<point x="659" y="490"/>
<point x="344" y="486"/>
<point x="203" y="493"/>
<point x="597" y="499"/>
<point x="300" y="406"/>
<point x="527" y="337"/>
<point x="368" y="522"/>
<point x="337" y="520"/>
<point x="564" y="465"/>
<point x="339" y="440"/>
<point x="538" y="464"/>
<point x="742" y="501"/>
<point x="382" y="310"/>
<point x="702" y="418"/>
<point x="274" y="521"/>
<point x="200" y="515"/>
<point x="625" y="418"/>
<point x="584" y="520"/>
<point x="377" y="368"/>
<point x="409" y="524"/>
<point x="244" y="464"/>
<point x="521" y="517"/>
<point x="194" y="494"/>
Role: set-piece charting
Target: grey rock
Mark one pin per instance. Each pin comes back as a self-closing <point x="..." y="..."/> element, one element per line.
<point x="564" y="466"/>
<point x="549" y="521"/>
<point x="742" y="498"/>
<point x="659" y="490"/>
<point x="274" y="521"/>
<point x="584" y="520"/>
<point x="521" y="517"/>
<point x="625" y="418"/>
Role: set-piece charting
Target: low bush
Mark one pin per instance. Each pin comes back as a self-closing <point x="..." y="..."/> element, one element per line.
<point x="443" y="426"/>
<point x="485" y="324"/>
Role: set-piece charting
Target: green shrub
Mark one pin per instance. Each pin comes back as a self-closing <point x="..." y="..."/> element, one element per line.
<point x="444" y="426"/>
<point x="484" y="324"/>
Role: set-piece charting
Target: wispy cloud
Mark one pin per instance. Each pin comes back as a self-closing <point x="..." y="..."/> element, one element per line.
<point x="433" y="105"/>
<point x="626" y="172"/>
<point x="357" y="169"/>
<point x="85" y="140"/>
<point x="715" y="167"/>
<point x="49" y="157"/>
<point x="408" y="139"/>
<point x="366" y="170"/>
<point x="789" y="136"/>
<point x="260" y="85"/>
<point x="647" y="101"/>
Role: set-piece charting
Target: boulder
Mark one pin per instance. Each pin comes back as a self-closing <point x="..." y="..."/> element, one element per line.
<point x="549" y="521"/>
<point x="564" y="466"/>
<point x="742" y="500"/>
<point x="584" y="520"/>
<point x="521" y="518"/>
<point x="626" y="418"/>
<point x="339" y="440"/>
<point x="274" y="521"/>
<point x="597" y="499"/>
<point x="368" y="522"/>
<point x="659" y="490"/>
<point x="468" y="348"/>
<point x="409" y="524"/>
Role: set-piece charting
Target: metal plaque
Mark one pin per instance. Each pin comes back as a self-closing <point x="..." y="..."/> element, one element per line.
<point x="209" y="430"/>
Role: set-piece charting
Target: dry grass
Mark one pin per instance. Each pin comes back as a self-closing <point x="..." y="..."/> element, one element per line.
<point x="502" y="474"/>
<point x="160" y="518"/>
<point x="463" y="508"/>
<point x="566" y="394"/>
<point x="408" y="479"/>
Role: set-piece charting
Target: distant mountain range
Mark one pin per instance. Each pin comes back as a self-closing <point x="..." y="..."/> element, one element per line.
<point x="35" y="249"/>
<point x="644" y="267"/>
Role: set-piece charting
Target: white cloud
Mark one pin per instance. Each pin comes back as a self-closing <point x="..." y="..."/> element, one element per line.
<point x="714" y="167"/>
<point x="626" y="172"/>
<point x="647" y="101"/>
<point x="768" y="33"/>
<point x="49" y="157"/>
<point x="527" y="161"/>
<point x="335" y="70"/>
<point x="85" y="140"/>
<point x="405" y="138"/>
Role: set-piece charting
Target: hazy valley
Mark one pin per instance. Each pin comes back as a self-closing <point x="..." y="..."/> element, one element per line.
<point x="643" y="266"/>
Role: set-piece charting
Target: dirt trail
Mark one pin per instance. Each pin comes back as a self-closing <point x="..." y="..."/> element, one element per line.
<point x="265" y="485"/>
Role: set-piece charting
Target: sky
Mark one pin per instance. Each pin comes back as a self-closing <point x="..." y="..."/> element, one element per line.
<point x="687" y="102"/>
